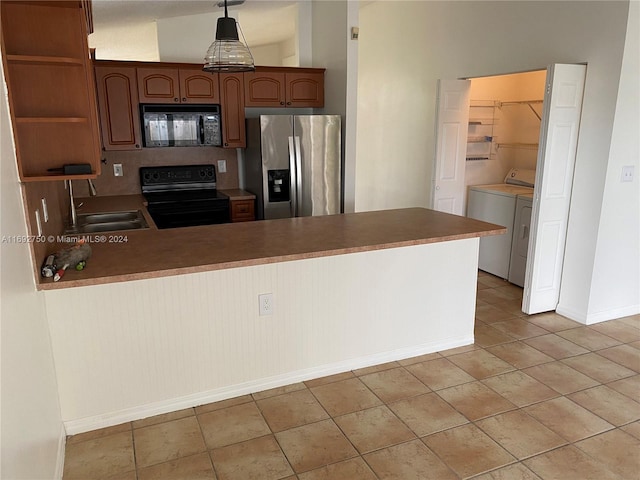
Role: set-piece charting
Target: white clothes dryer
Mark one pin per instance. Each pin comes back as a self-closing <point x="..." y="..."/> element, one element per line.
<point x="496" y="204"/>
<point x="520" y="242"/>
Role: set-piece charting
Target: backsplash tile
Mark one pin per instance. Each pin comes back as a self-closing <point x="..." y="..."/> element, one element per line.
<point x="132" y="160"/>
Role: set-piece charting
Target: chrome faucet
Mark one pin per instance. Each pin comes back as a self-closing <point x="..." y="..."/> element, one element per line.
<point x="92" y="188"/>
<point x="73" y="218"/>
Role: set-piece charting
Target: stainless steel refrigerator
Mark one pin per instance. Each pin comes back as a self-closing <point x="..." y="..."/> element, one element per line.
<point x="293" y="165"/>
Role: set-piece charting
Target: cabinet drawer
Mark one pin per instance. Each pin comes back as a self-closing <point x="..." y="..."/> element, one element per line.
<point x="242" y="210"/>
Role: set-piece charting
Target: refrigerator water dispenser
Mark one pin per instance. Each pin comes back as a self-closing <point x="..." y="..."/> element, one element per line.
<point x="278" y="181"/>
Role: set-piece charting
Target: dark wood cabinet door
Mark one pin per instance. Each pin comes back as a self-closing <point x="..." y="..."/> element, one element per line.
<point x="232" y="106"/>
<point x="118" y="108"/>
<point x="242" y="211"/>
<point x="305" y="89"/>
<point x="264" y="89"/>
<point x="158" y="85"/>
<point x="197" y="86"/>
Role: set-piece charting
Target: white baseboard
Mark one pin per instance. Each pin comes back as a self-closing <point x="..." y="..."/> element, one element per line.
<point x="612" y="314"/>
<point x="62" y="443"/>
<point x="81" y="425"/>
<point x="593" y="318"/>
<point x="572" y="314"/>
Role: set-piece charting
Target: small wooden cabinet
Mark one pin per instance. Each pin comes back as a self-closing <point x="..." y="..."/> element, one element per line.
<point x="51" y="88"/>
<point x="232" y="106"/>
<point x="177" y="85"/>
<point x="118" y="107"/>
<point x="242" y="210"/>
<point x="284" y="87"/>
<point x="197" y="86"/>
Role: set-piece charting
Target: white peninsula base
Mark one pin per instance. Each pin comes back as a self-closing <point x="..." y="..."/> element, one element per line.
<point x="129" y="350"/>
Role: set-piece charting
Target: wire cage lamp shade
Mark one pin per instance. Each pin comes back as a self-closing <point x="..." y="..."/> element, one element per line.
<point x="227" y="53"/>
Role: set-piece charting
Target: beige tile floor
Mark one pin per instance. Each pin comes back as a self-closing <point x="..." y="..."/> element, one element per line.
<point x="536" y="397"/>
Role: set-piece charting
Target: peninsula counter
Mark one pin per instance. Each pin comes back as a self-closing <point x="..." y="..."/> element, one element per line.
<point x="169" y="320"/>
<point x="151" y="253"/>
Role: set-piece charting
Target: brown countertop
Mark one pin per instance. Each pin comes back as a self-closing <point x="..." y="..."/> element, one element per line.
<point x="237" y="194"/>
<point x="143" y="254"/>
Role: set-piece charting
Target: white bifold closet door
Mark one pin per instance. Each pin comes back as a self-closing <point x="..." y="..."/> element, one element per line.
<point x="562" y="108"/>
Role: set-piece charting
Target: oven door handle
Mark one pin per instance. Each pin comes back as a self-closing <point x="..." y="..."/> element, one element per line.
<point x="201" y="128"/>
<point x="292" y="179"/>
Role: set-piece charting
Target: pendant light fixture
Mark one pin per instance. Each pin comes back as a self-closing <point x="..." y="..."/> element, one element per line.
<point x="227" y="53"/>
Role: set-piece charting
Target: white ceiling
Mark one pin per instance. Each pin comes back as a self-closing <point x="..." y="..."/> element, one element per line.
<point x="262" y="21"/>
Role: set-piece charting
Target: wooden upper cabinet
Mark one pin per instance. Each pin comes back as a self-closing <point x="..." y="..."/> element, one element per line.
<point x="284" y="87"/>
<point x="158" y="85"/>
<point x="232" y="110"/>
<point x="177" y="85"/>
<point x="51" y="88"/>
<point x="264" y="89"/>
<point x="305" y="89"/>
<point x="118" y="107"/>
<point x="197" y="86"/>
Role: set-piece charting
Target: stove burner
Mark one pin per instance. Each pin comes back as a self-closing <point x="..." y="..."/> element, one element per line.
<point x="183" y="196"/>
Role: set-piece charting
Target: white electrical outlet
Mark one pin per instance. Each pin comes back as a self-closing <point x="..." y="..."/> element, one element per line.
<point x="222" y="166"/>
<point x="265" y="302"/>
<point x="117" y="170"/>
<point x="627" y="173"/>
<point x="45" y="210"/>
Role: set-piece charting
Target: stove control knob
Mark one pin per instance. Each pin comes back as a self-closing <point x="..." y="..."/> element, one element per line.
<point x="202" y="174"/>
<point x="156" y="176"/>
<point x="210" y="172"/>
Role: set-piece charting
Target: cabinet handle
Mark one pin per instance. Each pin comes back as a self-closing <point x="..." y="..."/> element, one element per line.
<point x="176" y="99"/>
<point x="226" y="144"/>
<point x="184" y="99"/>
<point x="288" y="103"/>
<point x="281" y="103"/>
<point x="137" y="145"/>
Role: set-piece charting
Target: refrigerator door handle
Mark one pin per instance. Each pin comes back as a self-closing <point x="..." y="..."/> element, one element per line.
<point x="298" y="176"/>
<point x="292" y="179"/>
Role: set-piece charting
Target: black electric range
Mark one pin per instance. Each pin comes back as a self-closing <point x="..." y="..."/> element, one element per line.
<point x="183" y="196"/>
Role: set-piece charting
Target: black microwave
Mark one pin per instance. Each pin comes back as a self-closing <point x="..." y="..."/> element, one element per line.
<point x="181" y="125"/>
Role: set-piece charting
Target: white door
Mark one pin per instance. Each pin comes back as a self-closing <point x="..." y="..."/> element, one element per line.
<point x="452" y="122"/>
<point x="552" y="194"/>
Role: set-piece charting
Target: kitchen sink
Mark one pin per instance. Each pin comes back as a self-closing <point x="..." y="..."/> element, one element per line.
<point x="108" y="222"/>
<point x="111" y="226"/>
<point x="110" y="217"/>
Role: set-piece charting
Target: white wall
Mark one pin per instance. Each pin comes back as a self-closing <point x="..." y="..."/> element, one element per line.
<point x="129" y="350"/>
<point x="304" y="27"/>
<point x="334" y="50"/>
<point x="269" y="55"/>
<point x="32" y="434"/>
<point x="187" y="38"/>
<point x="137" y="41"/>
<point x="329" y="47"/>
<point x="615" y="289"/>
<point x="424" y="41"/>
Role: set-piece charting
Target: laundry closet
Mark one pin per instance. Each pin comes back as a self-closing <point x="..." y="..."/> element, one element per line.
<point x="501" y="153"/>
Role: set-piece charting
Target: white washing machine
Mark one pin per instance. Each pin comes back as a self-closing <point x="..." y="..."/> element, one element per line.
<point x="520" y="242"/>
<point x="495" y="204"/>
